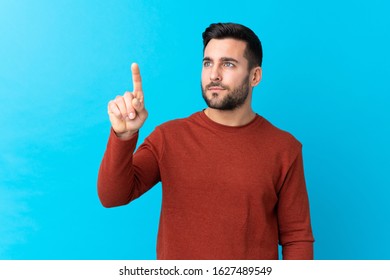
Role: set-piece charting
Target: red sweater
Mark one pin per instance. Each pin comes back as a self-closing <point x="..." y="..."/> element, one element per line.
<point x="228" y="192"/>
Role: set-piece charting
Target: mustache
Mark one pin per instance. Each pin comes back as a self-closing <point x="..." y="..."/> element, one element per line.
<point x="216" y="84"/>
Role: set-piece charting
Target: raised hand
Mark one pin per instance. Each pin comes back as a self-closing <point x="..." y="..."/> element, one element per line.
<point x="127" y="113"/>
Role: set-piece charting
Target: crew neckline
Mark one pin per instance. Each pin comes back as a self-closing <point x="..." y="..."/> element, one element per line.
<point x="257" y="120"/>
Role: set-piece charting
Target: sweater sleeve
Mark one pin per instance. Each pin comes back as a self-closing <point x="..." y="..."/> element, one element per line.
<point x="124" y="176"/>
<point x="295" y="233"/>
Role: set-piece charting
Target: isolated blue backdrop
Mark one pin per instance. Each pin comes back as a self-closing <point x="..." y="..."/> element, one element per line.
<point x="326" y="80"/>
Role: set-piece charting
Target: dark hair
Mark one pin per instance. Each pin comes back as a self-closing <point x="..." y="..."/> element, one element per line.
<point x="253" y="52"/>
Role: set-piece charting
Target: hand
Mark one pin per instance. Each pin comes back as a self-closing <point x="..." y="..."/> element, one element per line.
<point x="127" y="113"/>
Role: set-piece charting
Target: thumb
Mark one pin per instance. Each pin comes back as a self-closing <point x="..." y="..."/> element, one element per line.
<point x="137" y="104"/>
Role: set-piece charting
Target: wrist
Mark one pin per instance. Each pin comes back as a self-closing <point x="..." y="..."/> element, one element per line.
<point x="126" y="135"/>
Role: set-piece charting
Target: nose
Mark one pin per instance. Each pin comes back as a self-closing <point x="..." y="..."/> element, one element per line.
<point x="215" y="74"/>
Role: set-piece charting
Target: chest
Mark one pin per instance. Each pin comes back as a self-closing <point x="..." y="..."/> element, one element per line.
<point x="219" y="168"/>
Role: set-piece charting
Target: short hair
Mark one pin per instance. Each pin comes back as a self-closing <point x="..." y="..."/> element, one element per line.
<point x="253" y="51"/>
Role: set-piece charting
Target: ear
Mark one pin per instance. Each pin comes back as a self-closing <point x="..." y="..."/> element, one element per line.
<point x="256" y="76"/>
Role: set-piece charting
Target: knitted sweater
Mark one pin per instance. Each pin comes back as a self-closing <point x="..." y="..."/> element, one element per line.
<point x="228" y="192"/>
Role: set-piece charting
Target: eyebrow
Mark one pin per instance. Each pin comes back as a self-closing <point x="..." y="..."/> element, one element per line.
<point x="223" y="59"/>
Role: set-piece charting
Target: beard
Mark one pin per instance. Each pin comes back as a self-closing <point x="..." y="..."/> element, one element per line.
<point x="232" y="100"/>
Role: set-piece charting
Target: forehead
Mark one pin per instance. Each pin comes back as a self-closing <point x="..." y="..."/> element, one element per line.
<point x="227" y="47"/>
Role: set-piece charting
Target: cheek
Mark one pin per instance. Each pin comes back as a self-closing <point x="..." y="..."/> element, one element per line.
<point x="230" y="78"/>
<point x="235" y="78"/>
<point x="204" y="78"/>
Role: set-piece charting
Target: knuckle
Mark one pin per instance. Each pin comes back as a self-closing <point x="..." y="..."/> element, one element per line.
<point x="112" y="106"/>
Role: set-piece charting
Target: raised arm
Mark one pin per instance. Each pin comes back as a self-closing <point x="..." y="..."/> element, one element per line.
<point x="123" y="176"/>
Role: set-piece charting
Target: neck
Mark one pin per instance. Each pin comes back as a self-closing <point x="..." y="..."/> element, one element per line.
<point x="237" y="117"/>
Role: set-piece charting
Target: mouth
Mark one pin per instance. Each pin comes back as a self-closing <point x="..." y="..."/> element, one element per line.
<point x="215" y="88"/>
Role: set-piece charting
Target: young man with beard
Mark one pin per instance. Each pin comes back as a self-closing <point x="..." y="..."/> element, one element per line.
<point x="233" y="184"/>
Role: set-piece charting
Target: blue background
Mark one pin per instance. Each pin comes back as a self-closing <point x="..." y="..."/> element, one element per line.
<point x="325" y="79"/>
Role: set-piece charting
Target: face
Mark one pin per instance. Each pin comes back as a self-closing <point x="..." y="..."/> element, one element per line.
<point x="225" y="75"/>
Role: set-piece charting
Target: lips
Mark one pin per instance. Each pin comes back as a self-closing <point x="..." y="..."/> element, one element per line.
<point x="215" y="88"/>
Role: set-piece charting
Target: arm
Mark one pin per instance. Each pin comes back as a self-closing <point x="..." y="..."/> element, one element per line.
<point x="123" y="176"/>
<point x="121" y="180"/>
<point x="295" y="234"/>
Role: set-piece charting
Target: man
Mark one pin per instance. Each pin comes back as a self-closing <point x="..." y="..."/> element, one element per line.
<point x="233" y="184"/>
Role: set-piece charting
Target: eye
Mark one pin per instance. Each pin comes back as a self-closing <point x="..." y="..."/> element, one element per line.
<point x="228" y="64"/>
<point x="206" y="63"/>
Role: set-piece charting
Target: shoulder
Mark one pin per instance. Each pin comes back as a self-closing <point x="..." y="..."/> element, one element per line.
<point x="172" y="132"/>
<point x="280" y="138"/>
<point x="178" y="124"/>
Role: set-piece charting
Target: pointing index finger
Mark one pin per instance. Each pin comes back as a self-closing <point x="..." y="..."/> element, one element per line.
<point x="137" y="82"/>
